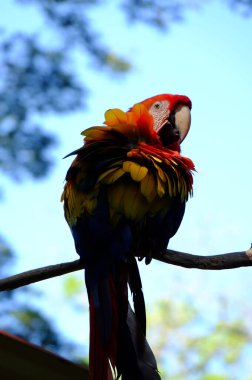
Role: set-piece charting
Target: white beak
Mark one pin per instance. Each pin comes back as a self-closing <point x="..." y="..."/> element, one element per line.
<point x="183" y="120"/>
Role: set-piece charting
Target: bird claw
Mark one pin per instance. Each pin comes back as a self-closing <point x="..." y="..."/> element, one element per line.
<point x="148" y="258"/>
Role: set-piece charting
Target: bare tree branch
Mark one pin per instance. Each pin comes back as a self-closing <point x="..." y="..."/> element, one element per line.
<point x="216" y="262"/>
<point x="39" y="274"/>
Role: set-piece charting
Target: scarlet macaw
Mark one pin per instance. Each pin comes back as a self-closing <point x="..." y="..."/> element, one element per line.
<point x="125" y="196"/>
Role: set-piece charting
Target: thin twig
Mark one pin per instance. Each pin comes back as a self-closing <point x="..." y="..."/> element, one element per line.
<point x="182" y="259"/>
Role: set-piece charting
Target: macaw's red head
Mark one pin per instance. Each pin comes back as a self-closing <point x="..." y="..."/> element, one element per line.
<point x="171" y="116"/>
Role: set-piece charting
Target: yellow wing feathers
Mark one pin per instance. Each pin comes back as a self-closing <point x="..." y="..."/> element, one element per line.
<point x="133" y="189"/>
<point x="77" y="202"/>
<point x="137" y="172"/>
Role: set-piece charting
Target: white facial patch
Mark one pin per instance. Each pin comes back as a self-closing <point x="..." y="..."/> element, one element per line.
<point x="160" y="112"/>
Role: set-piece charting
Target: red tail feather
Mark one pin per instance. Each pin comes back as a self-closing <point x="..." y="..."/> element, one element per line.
<point x="99" y="366"/>
<point x="104" y="332"/>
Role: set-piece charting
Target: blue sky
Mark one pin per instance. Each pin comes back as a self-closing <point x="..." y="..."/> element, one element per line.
<point x="207" y="57"/>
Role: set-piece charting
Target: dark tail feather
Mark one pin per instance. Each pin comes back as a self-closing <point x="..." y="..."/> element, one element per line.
<point x="136" y="360"/>
<point x="135" y="285"/>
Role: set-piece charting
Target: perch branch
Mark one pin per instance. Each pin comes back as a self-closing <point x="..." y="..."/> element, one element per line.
<point x="182" y="259"/>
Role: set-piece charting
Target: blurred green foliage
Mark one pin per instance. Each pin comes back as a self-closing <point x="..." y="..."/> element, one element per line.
<point x="191" y="346"/>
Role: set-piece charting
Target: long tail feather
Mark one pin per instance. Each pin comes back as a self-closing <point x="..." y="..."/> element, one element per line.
<point x="99" y="366"/>
<point x="135" y="285"/>
<point x="103" y="323"/>
<point x="136" y="360"/>
<point x="117" y="333"/>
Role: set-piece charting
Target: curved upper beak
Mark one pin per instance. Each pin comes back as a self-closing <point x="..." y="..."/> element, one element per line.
<point x="183" y="120"/>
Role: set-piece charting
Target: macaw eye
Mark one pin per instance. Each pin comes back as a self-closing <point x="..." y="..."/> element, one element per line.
<point x="157" y="105"/>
